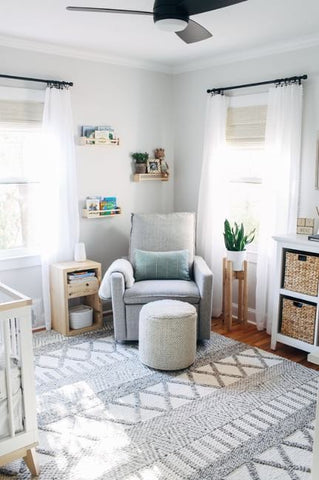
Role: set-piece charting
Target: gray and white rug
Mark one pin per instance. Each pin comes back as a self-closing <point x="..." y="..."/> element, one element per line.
<point x="239" y="413"/>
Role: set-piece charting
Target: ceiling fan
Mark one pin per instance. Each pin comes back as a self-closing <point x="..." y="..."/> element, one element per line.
<point x="173" y="15"/>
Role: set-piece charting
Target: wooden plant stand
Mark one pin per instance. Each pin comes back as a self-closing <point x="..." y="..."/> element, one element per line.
<point x="228" y="276"/>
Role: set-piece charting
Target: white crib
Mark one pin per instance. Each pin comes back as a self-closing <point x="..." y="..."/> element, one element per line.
<point x="18" y="422"/>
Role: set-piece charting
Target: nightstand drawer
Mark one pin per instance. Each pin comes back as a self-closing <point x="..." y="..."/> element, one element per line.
<point x="83" y="288"/>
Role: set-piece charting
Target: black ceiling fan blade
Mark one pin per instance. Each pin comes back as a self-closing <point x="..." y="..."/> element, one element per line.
<point x="194" y="32"/>
<point x="107" y="10"/>
<point x="194" y="6"/>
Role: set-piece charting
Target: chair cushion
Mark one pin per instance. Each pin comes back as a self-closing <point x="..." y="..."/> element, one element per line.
<point x="163" y="233"/>
<point x="151" y="290"/>
<point x="161" y="265"/>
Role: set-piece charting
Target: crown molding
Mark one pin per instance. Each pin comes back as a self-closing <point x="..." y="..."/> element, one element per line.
<point x="282" y="47"/>
<point x="212" y="61"/>
<point x="81" y="54"/>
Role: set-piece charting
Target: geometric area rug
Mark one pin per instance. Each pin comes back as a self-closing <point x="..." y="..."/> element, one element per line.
<point x="238" y="413"/>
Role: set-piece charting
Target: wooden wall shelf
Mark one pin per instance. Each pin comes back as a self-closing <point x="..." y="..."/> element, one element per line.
<point x="144" y="177"/>
<point x="101" y="213"/>
<point x="85" y="142"/>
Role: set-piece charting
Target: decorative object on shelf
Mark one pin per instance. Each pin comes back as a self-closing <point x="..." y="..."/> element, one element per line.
<point x="98" y="135"/>
<point x="236" y="242"/>
<point x="99" y="206"/>
<point x="159" y="153"/>
<point x="305" y="226"/>
<point x="153" y="165"/>
<point x="140" y="161"/>
<point x="79" y="252"/>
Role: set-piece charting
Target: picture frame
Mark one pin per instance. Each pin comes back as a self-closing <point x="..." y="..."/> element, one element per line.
<point x="153" y="165"/>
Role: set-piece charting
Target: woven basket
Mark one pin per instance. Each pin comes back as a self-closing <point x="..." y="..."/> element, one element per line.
<point x="301" y="273"/>
<point x="298" y="320"/>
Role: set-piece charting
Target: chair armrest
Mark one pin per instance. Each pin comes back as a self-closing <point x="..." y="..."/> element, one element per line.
<point x="203" y="278"/>
<point x="118" y="307"/>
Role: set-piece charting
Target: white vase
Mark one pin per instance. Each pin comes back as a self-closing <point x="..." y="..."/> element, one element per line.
<point x="237" y="258"/>
<point x="79" y="252"/>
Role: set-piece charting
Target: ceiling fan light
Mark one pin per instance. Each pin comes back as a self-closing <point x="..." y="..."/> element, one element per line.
<point x="171" y="24"/>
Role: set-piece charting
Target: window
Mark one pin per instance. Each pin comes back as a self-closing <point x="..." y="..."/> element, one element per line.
<point x="20" y="132"/>
<point x="245" y="157"/>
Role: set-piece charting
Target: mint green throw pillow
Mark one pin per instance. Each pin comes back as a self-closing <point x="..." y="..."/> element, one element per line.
<point x="161" y="265"/>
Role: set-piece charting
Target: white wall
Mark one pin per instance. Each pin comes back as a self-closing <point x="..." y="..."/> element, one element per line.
<point x="189" y="117"/>
<point x="137" y="103"/>
<point x="148" y="110"/>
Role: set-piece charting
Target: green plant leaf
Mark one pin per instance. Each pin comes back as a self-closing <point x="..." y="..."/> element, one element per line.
<point x="235" y="238"/>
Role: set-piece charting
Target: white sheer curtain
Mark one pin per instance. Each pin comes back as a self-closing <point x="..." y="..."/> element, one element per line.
<point x="212" y="198"/>
<point x="59" y="210"/>
<point x="281" y="183"/>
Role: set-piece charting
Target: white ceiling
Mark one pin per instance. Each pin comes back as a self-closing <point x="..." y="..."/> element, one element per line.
<point x="251" y="26"/>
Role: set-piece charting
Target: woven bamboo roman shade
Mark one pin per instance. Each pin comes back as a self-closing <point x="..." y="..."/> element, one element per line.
<point x="246" y="125"/>
<point x="12" y="111"/>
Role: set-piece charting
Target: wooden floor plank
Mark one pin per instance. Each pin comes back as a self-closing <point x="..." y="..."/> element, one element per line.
<point x="261" y="339"/>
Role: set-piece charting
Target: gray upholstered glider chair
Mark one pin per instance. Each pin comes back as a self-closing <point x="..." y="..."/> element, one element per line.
<point x="173" y="235"/>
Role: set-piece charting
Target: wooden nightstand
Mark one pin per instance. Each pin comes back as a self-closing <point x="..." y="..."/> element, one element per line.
<point x="62" y="292"/>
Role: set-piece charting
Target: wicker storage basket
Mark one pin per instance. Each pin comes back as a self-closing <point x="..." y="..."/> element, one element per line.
<point x="301" y="273"/>
<point x="298" y="320"/>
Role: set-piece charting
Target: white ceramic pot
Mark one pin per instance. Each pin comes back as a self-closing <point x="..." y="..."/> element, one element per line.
<point x="237" y="258"/>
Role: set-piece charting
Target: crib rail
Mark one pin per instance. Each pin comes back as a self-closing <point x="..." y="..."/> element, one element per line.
<point x="16" y="351"/>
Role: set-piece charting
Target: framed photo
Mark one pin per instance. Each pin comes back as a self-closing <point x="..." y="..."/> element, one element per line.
<point x="153" y="165"/>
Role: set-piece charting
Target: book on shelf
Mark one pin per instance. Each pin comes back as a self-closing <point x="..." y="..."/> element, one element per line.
<point x="93" y="206"/>
<point x="108" y="203"/>
<point x="84" y="274"/>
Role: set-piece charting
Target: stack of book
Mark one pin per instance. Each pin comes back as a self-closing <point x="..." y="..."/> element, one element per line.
<point x="83" y="276"/>
<point x="98" y="206"/>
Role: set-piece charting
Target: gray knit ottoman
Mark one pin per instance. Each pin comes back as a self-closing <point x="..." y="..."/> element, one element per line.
<point x="167" y="334"/>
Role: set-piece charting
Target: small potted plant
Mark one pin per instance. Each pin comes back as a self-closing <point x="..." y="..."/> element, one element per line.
<point x="235" y="242"/>
<point x="140" y="161"/>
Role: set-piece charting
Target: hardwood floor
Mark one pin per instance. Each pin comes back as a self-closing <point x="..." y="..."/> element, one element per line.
<point x="253" y="337"/>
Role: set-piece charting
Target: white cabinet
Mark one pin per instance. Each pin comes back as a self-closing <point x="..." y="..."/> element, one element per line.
<point x="296" y="299"/>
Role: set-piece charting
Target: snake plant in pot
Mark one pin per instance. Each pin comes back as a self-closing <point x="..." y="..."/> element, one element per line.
<point x="236" y="241"/>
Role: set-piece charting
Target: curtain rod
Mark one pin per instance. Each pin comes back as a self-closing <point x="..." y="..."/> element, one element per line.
<point x="40" y="80"/>
<point x="277" y="81"/>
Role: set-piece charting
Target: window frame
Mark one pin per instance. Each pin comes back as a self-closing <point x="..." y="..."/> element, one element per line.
<point x="20" y="257"/>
